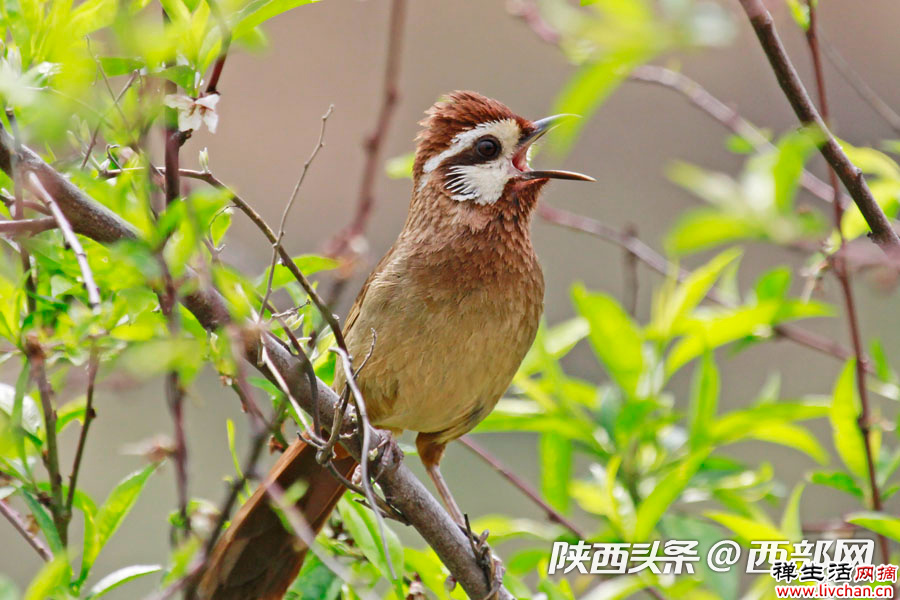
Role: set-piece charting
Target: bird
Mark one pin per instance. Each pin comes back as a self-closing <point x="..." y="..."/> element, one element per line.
<point x="454" y="305"/>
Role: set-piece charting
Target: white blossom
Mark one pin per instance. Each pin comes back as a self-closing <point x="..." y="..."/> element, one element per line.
<point x="194" y="112"/>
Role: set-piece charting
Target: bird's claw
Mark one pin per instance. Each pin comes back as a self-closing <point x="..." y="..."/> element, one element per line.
<point x="386" y="456"/>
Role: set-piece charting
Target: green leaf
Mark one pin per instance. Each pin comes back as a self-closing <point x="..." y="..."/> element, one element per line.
<point x="361" y="523"/>
<point x="121" y="576"/>
<point x="704" y="228"/>
<point x="837" y="480"/>
<point x="8" y="589"/>
<point x="793" y="150"/>
<point x="791" y="523"/>
<point x="258" y="12"/>
<point x="747" y="530"/>
<point x="848" y="439"/>
<point x="116" y="507"/>
<point x="673" y="305"/>
<point x="880" y="523"/>
<point x="556" y="469"/>
<point x="704" y="400"/>
<point x="589" y="87"/>
<point x="615" y="338"/>
<point x="400" y="167"/>
<point x="92" y="15"/>
<point x="42" y="518"/>
<point x="53" y="576"/>
<point x="315" y="582"/>
<point x="655" y="505"/>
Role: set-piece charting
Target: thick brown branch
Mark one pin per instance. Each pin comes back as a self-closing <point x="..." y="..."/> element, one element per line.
<point x="881" y="231"/>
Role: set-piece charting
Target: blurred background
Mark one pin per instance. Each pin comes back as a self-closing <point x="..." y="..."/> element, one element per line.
<point x="333" y="52"/>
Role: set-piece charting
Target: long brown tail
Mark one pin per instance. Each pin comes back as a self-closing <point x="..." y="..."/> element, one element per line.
<point x="257" y="558"/>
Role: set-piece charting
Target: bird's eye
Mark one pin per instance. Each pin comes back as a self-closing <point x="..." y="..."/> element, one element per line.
<point x="487" y="147"/>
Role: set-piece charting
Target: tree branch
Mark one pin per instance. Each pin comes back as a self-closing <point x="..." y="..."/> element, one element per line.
<point x="342" y="242"/>
<point x="19" y="524"/>
<point x="882" y="233"/>
<point x="660" y="264"/>
<point x="27" y="226"/>
<point x="402" y="489"/>
<point x="842" y="274"/>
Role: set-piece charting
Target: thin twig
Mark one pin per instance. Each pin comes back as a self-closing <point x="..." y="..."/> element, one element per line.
<point x="660" y="264"/>
<point x="19" y="524"/>
<point x="701" y="98"/>
<point x="553" y="515"/>
<point x="19" y="210"/>
<point x="36" y="361"/>
<point x="71" y="239"/>
<point x="27" y="226"/>
<point x="630" y="291"/>
<point x="290" y="203"/>
<point x="365" y="431"/>
<point x="225" y="32"/>
<point x="859" y="85"/>
<point x="882" y="233"/>
<point x="843" y="276"/>
<point x="342" y="242"/>
<point x="89" y="415"/>
<point x="115" y="99"/>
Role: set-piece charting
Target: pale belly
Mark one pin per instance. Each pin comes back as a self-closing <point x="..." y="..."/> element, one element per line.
<point x="441" y="364"/>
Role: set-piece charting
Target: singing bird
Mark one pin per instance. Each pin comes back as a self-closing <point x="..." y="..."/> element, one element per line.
<point x="455" y="305"/>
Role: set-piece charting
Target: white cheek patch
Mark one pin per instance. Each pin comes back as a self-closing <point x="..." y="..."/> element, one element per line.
<point x="482" y="183"/>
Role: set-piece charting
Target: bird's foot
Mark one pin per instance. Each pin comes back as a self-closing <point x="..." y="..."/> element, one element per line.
<point x="385" y="457"/>
<point x="489" y="562"/>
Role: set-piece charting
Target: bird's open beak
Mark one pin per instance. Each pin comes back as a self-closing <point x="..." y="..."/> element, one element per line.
<point x="520" y="158"/>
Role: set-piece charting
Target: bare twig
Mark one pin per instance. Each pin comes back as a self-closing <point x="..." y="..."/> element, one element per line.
<point x="27" y="226"/>
<point x="225" y="32"/>
<point x="19" y="524"/>
<point x="843" y="276"/>
<point x="340" y="244"/>
<point x="290" y="203"/>
<point x="660" y="264"/>
<point x="859" y="85"/>
<point x="19" y="210"/>
<point x="724" y="114"/>
<point x="882" y="233"/>
<point x="89" y="415"/>
<point x="36" y="361"/>
<point x="115" y="99"/>
<point x="71" y="239"/>
<point x="365" y="433"/>
<point x="630" y="291"/>
<point x="401" y="488"/>
<point x="553" y="515"/>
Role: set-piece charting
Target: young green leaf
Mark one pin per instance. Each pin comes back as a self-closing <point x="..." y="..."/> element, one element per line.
<point x="120" y="577"/>
<point x="615" y="338"/>
<point x="704" y="400"/>
<point x="848" y="440"/>
<point x="556" y="469"/>
<point x="880" y="523"/>
<point x="116" y="507"/>
<point x="361" y="523"/>
<point x="654" y="506"/>
<point x="53" y="577"/>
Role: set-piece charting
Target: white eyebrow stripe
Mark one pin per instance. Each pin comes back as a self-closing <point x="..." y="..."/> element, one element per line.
<point x="463" y="140"/>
